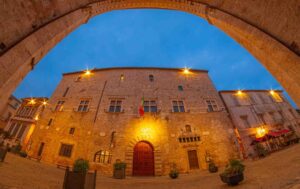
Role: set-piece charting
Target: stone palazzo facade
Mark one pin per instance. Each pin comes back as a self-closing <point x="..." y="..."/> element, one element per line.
<point x="149" y="118"/>
<point x="263" y="116"/>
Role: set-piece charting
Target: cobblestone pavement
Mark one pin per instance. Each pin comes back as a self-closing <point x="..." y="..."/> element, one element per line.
<point x="281" y="170"/>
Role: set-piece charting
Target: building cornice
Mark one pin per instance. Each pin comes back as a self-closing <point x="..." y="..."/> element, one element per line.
<point x="137" y="68"/>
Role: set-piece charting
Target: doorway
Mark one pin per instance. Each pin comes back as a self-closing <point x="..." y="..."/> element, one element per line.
<point x="193" y="159"/>
<point x="143" y="159"/>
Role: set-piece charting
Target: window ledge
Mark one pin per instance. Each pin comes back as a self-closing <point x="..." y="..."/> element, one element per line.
<point x="106" y="111"/>
<point x="187" y="111"/>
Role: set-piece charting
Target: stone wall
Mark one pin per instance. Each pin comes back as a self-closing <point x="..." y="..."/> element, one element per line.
<point x="93" y="129"/>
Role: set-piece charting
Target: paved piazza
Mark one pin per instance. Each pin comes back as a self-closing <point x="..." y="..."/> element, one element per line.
<point x="279" y="170"/>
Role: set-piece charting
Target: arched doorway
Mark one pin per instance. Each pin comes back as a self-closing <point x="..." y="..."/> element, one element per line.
<point x="143" y="159"/>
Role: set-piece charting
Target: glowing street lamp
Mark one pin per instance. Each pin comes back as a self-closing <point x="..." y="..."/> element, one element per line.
<point x="45" y="103"/>
<point x="239" y="92"/>
<point x="87" y="72"/>
<point x="260" y="132"/>
<point x="32" y="101"/>
<point x="272" y="92"/>
<point x="186" y="70"/>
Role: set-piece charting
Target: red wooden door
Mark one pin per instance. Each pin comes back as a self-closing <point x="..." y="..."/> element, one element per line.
<point x="143" y="160"/>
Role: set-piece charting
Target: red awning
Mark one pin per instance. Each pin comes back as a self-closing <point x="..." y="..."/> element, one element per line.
<point x="278" y="133"/>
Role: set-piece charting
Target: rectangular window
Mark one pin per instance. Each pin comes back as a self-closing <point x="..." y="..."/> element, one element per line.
<point x="235" y="100"/>
<point x="180" y="88"/>
<point x="150" y="106"/>
<point x="17" y="127"/>
<point x="71" y="131"/>
<point x="66" y="92"/>
<point x="65" y="150"/>
<point x="245" y="120"/>
<point x="272" y="116"/>
<point x="211" y="105"/>
<point x="59" y="106"/>
<point x="261" y="117"/>
<point x="41" y="148"/>
<point x="252" y="99"/>
<point x="115" y="106"/>
<point x="21" y="132"/>
<point x="83" y="106"/>
<point x="261" y="97"/>
<point x="281" y="114"/>
<point x="12" y="125"/>
<point x="178" y="106"/>
<point x="50" y="122"/>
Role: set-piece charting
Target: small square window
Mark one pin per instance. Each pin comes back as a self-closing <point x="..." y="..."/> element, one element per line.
<point x="72" y="130"/>
<point x="66" y="150"/>
<point x="180" y="88"/>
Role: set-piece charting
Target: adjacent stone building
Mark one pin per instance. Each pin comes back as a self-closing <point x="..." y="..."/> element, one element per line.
<point x="9" y="110"/>
<point x="149" y="118"/>
<point x="22" y="124"/>
<point x="262" y="116"/>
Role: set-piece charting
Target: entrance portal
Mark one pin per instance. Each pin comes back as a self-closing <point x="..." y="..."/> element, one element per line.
<point x="143" y="159"/>
<point x="193" y="159"/>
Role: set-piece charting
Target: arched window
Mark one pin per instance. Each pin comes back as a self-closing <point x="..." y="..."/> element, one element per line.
<point x="102" y="156"/>
<point x="151" y="78"/>
<point x="188" y="128"/>
<point x="122" y="77"/>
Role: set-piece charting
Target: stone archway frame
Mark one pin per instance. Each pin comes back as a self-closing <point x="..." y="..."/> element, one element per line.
<point x="280" y="60"/>
<point x="129" y="156"/>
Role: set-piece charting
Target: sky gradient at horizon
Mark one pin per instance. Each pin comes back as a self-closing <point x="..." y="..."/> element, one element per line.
<point x="150" y="38"/>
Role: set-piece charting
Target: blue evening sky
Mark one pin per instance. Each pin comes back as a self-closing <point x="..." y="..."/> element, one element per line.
<point x="145" y="37"/>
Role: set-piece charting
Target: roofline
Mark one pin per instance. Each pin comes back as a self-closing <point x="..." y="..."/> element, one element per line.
<point x="248" y="90"/>
<point x="142" y="68"/>
<point x="12" y="96"/>
<point x="25" y="98"/>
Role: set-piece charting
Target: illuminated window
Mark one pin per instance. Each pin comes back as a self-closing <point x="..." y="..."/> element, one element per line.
<point x="102" y="156"/>
<point x="150" y="106"/>
<point x="151" y="78"/>
<point x="59" y="106"/>
<point x="83" y="106"/>
<point x="115" y="106"/>
<point x="211" y="105"/>
<point x="178" y="106"/>
<point x="180" y="88"/>
<point x="122" y="77"/>
<point x="66" y="150"/>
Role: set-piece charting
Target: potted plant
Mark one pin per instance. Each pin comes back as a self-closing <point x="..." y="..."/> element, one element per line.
<point x="119" y="170"/>
<point x="3" y="152"/>
<point x="212" y="167"/>
<point x="79" y="178"/>
<point x="233" y="173"/>
<point x="261" y="151"/>
<point x="173" y="171"/>
<point x="23" y="154"/>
